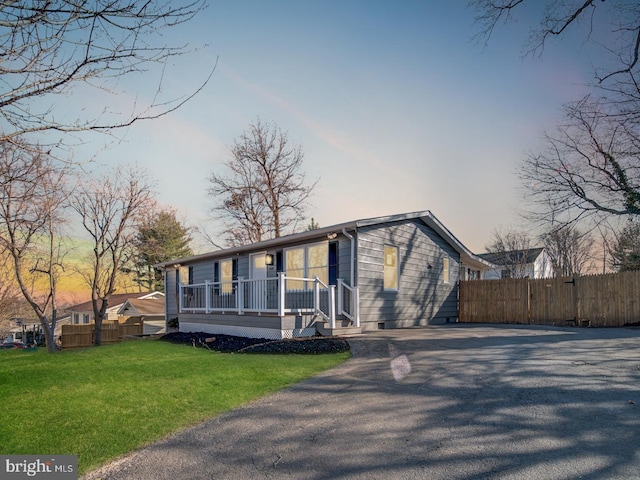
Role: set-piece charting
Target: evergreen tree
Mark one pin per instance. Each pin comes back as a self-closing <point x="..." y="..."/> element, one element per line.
<point x="313" y="225"/>
<point x="160" y="237"/>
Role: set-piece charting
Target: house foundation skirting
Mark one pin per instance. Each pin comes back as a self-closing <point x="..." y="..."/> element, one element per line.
<point x="246" y="331"/>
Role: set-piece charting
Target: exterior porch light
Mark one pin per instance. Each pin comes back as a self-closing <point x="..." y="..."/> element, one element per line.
<point x="268" y="259"/>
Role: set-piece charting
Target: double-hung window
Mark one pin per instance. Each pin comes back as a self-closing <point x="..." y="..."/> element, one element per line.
<point x="391" y="270"/>
<point x="308" y="261"/>
<point x="446" y="272"/>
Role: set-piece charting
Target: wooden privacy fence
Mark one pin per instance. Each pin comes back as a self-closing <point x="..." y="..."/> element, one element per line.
<point x="608" y="300"/>
<point x="74" y="336"/>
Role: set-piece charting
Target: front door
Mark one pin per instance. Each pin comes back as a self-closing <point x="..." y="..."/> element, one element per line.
<point x="258" y="284"/>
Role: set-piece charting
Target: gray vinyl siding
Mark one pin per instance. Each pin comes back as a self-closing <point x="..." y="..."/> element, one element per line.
<point x="201" y="272"/>
<point x="243" y="267"/>
<point x="422" y="297"/>
<point x="171" y="298"/>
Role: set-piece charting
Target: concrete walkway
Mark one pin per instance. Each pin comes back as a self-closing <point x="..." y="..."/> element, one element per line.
<point x="441" y="402"/>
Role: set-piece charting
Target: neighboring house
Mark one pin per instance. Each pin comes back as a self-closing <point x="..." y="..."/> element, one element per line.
<point x="532" y="263"/>
<point x="83" y="312"/>
<point x="149" y="311"/>
<point x="30" y="330"/>
<point x="386" y="272"/>
<point x="25" y="331"/>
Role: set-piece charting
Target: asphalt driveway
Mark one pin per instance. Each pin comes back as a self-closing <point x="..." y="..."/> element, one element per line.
<point x="441" y="402"/>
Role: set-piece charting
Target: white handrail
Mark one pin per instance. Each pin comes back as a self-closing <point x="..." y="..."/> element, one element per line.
<point x="254" y="294"/>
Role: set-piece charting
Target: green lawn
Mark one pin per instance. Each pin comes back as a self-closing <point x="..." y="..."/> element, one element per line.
<point x="101" y="402"/>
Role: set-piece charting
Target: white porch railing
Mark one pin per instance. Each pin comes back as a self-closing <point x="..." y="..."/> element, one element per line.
<point x="279" y="295"/>
<point x="348" y="302"/>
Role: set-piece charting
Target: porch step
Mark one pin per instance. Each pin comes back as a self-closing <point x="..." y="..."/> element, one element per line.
<point x="343" y="329"/>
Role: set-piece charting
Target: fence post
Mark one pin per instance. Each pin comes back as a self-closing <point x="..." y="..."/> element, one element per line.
<point x="577" y="304"/>
<point x="528" y="300"/>
<point x="282" y="280"/>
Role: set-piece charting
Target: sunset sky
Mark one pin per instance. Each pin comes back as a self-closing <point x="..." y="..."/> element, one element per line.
<point x="395" y="106"/>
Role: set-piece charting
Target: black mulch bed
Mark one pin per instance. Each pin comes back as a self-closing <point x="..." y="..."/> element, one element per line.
<point x="229" y="343"/>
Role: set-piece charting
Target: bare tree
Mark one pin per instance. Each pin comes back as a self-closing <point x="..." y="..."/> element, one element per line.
<point x="612" y="27"/>
<point x="32" y="200"/>
<point x="52" y="48"/>
<point x="265" y="193"/>
<point x="109" y="208"/>
<point x="571" y="251"/>
<point x="590" y="166"/>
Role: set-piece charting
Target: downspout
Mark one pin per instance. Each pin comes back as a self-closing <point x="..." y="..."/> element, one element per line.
<point x="353" y="257"/>
<point x="353" y="279"/>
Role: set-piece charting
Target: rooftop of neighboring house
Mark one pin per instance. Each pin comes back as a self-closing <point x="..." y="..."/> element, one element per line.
<point x="513" y="257"/>
<point x="142" y="307"/>
<point x="117" y="300"/>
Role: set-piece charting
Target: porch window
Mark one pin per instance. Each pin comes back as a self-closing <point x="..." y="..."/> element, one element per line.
<point x="182" y="274"/>
<point x="391" y="277"/>
<point x="317" y="262"/>
<point x="445" y="270"/>
<point x="308" y="261"/>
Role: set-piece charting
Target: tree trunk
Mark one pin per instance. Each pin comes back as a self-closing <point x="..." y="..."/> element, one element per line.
<point x="98" y="335"/>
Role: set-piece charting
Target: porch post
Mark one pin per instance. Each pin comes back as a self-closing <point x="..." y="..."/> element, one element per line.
<point x="180" y="286"/>
<point x="340" y="288"/>
<point x="207" y="297"/>
<point x="240" y="295"/>
<point x="316" y="294"/>
<point x="282" y="280"/>
<point x="356" y="304"/>
<point x="332" y="306"/>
